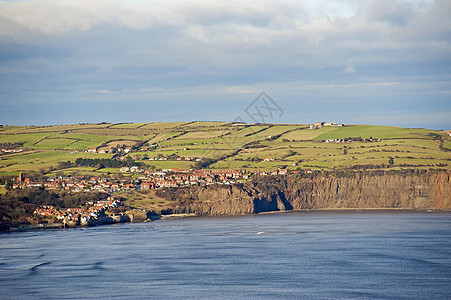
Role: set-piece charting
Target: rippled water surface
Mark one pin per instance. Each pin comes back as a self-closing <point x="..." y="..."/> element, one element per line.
<point x="278" y="256"/>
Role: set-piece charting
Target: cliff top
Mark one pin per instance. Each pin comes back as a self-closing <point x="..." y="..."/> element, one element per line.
<point x="219" y="145"/>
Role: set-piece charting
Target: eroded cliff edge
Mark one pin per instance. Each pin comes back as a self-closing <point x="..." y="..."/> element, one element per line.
<point x="417" y="190"/>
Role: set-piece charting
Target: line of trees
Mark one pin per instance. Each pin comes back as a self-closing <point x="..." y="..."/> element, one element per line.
<point x="11" y="145"/>
<point x="106" y="162"/>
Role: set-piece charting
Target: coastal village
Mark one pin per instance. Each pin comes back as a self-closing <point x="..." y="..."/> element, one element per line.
<point x="95" y="213"/>
<point x="91" y="214"/>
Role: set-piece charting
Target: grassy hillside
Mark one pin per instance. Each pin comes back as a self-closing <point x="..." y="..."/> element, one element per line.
<point x="229" y="145"/>
<point x="368" y="131"/>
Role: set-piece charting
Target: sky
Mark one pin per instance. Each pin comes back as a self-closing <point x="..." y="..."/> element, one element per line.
<point x="383" y="62"/>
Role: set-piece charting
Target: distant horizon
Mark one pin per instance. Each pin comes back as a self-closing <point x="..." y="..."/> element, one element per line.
<point x="438" y="127"/>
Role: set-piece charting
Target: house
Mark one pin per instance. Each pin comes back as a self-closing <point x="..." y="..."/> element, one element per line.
<point x="175" y="170"/>
<point x="332" y="141"/>
<point x="92" y="150"/>
<point x="147" y="185"/>
<point x="332" y="124"/>
<point x="283" y="171"/>
<point x="236" y="174"/>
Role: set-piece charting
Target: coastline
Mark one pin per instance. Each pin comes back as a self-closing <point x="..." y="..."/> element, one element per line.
<point x="323" y="193"/>
<point x="53" y="226"/>
<point x="358" y="210"/>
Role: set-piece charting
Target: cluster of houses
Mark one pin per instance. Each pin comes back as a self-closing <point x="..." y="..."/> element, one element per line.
<point x="77" y="184"/>
<point x="180" y="158"/>
<point x="134" y="169"/>
<point x="347" y="140"/>
<point x="148" y="180"/>
<point x="189" y="158"/>
<point x="318" y="125"/>
<point x="183" y="177"/>
<point x="186" y="177"/>
<point x="102" y="151"/>
<point x="3" y="150"/>
<point x="79" y="216"/>
<point x="121" y="149"/>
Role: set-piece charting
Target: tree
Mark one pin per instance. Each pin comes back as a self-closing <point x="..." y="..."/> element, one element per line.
<point x="345" y="151"/>
<point x="391" y="160"/>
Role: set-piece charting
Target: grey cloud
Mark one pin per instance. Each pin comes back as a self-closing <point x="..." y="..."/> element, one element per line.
<point x="88" y="51"/>
<point x="394" y="12"/>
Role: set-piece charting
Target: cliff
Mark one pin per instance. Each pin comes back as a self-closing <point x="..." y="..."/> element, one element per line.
<point x="417" y="190"/>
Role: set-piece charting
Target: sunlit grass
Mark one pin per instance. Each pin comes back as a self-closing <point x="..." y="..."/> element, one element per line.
<point x="297" y="147"/>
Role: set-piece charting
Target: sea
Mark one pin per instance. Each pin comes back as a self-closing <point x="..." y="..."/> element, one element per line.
<point x="298" y="255"/>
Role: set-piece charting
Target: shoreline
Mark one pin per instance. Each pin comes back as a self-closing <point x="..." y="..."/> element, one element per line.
<point x="338" y="210"/>
<point x="47" y="226"/>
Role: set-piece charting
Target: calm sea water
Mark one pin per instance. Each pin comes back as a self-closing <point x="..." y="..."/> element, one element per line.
<point x="276" y="256"/>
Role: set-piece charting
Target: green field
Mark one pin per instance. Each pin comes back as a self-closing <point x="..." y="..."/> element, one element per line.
<point x="375" y="132"/>
<point x="230" y="145"/>
<point x="128" y="125"/>
<point x="202" y="134"/>
<point x="29" y="139"/>
<point x="304" y="134"/>
<point x="162" y="126"/>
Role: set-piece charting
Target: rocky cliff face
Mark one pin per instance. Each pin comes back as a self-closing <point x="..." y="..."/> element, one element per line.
<point x="371" y="191"/>
<point x="431" y="190"/>
<point x="222" y="200"/>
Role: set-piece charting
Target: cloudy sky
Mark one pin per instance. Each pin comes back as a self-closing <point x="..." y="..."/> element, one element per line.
<point x="360" y="62"/>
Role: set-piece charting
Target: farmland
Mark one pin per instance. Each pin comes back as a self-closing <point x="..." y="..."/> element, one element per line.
<point x="224" y="145"/>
